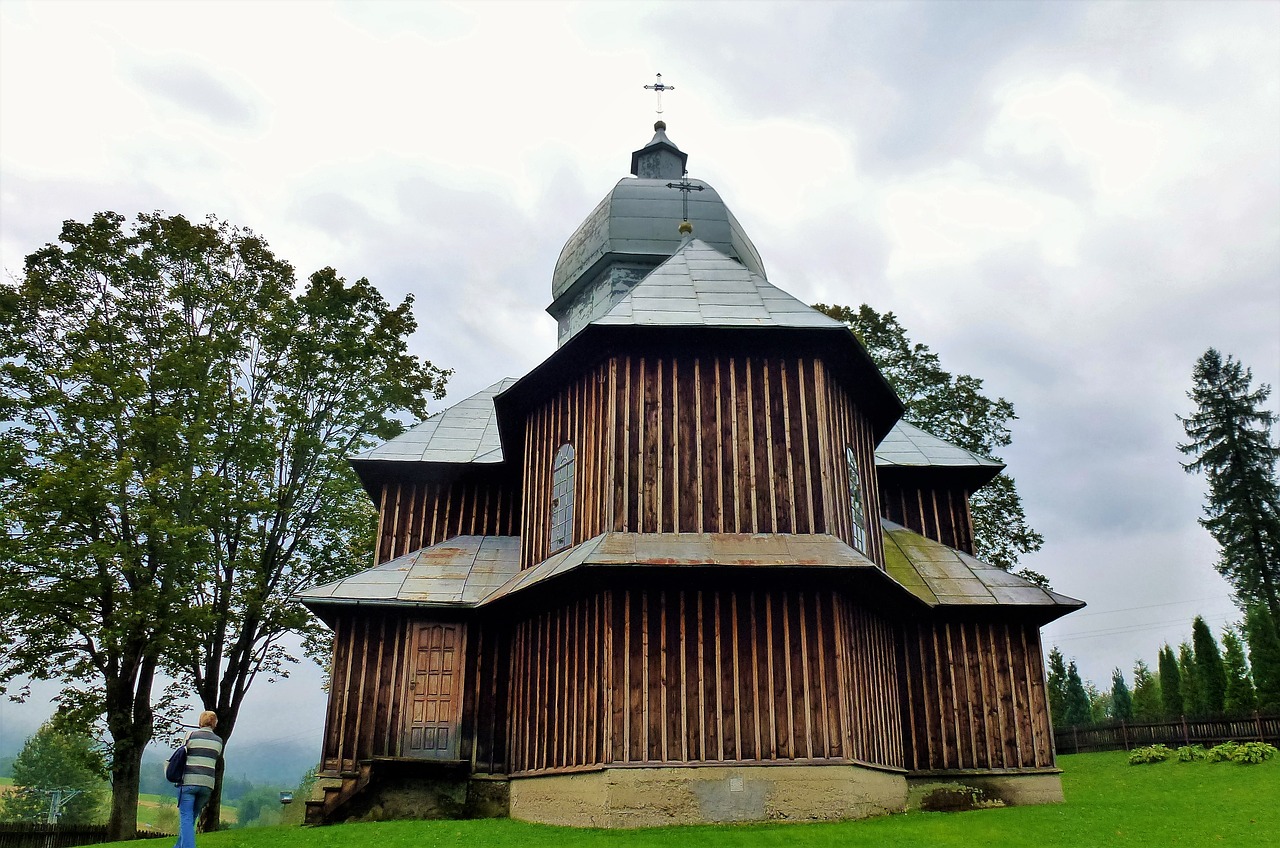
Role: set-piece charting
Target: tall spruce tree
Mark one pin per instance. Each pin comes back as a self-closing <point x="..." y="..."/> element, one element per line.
<point x="1121" y="698"/>
<point x="1171" y="703"/>
<point x="1211" y="674"/>
<point x="1240" y="698"/>
<point x="1146" y="693"/>
<point x="1079" y="705"/>
<point x="1264" y="657"/>
<point x="1229" y="438"/>
<point x="1057" y="685"/>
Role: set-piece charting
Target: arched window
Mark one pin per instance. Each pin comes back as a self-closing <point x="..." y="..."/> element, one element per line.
<point x="562" y="499"/>
<point x="855" y="501"/>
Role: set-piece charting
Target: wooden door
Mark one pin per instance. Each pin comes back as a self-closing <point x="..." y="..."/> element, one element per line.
<point x="435" y="691"/>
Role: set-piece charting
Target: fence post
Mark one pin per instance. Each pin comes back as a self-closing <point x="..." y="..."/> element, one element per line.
<point x="1075" y="737"/>
<point x="1257" y="723"/>
<point x="1186" y="736"/>
<point x="1124" y="733"/>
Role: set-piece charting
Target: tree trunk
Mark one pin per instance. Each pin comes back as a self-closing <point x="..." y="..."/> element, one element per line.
<point x="126" y="767"/>
<point x="211" y="819"/>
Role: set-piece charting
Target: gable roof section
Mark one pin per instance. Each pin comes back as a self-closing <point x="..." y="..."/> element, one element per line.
<point x="944" y="577"/>
<point x="466" y="432"/>
<point x="700" y="286"/>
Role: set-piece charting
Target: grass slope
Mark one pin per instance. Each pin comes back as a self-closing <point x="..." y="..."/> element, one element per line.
<point x="1108" y="803"/>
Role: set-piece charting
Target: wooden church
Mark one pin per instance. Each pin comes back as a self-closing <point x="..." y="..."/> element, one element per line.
<point x="690" y="568"/>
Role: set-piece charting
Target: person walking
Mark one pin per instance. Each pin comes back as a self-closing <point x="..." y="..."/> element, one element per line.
<point x="204" y="747"/>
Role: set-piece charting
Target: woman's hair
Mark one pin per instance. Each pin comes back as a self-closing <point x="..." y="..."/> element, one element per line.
<point x="208" y="718"/>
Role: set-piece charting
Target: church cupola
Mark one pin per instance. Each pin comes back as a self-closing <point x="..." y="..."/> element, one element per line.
<point x="659" y="159"/>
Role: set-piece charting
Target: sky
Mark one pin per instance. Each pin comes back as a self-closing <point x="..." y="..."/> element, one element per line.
<point x="1072" y="201"/>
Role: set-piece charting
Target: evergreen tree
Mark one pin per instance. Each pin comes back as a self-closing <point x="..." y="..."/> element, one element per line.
<point x="55" y="758"/>
<point x="1264" y="656"/>
<point x="1192" y="697"/>
<point x="1229" y="438"/>
<point x="1078" y="705"/>
<point x="1099" y="703"/>
<point x="1146" y="693"/>
<point x="1210" y="672"/>
<point x="1241" y="697"/>
<point x="1121" y="699"/>
<point x="1057" y="686"/>
<point x="1171" y="703"/>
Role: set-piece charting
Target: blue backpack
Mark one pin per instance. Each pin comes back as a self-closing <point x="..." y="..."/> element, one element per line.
<point x="177" y="765"/>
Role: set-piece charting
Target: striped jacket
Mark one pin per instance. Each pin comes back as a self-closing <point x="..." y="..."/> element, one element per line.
<point x="203" y="749"/>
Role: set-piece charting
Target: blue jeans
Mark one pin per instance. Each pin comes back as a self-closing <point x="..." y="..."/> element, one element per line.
<point x="191" y="801"/>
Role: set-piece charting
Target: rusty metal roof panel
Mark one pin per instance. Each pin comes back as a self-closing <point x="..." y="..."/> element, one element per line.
<point x="461" y="571"/>
<point x="908" y="446"/>
<point x="466" y="432"/>
<point x="943" y="577"/>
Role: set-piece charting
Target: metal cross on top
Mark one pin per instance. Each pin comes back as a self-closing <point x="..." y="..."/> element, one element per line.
<point x="685" y="187"/>
<point x="659" y="88"/>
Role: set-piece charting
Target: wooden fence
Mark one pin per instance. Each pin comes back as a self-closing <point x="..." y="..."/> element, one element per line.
<point x="32" y="835"/>
<point x="1184" y="731"/>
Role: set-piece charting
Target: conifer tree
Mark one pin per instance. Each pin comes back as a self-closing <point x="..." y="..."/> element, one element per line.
<point x="1171" y="705"/>
<point x="1229" y="439"/>
<point x="1192" y="696"/>
<point x="1264" y="657"/>
<point x="1079" y="707"/>
<point x="1146" y="693"/>
<point x="1057" y="686"/>
<point x="1121" y="698"/>
<point x="1210" y="673"/>
<point x="1241" y="697"/>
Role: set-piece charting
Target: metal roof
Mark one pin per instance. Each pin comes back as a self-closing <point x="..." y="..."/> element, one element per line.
<point x="466" y="432"/>
<point x="909" y="446"/>
<point x="700" y="286"/>
<point x="462" y="571"/>
<point x="943" y="577"/>
<point x="648" y="550"/>
<point x="640" y="218"/>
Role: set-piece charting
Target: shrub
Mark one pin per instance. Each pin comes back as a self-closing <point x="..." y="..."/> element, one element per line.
<point x="1190" y="753"/>
<point x="1252" y="753"/>
<point x="1221" y="753"/>
<point x="1149" y="754"/>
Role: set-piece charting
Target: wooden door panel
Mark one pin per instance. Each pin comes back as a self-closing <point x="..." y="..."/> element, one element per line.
<point x="435" y="690"/>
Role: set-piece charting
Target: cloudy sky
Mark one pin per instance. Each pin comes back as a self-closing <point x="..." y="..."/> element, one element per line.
<point x="1070" y="200"/>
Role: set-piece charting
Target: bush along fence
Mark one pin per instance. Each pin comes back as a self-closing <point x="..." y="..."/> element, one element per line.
<point x="1183" y="731"/>
<point x="33" y="835"/>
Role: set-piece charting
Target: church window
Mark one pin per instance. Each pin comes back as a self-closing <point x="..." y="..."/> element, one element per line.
<point x="562" y="499"/>
<point x="859" y="524"/>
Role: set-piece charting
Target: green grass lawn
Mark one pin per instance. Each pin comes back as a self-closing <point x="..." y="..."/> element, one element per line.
<point x="1109" y="803"/>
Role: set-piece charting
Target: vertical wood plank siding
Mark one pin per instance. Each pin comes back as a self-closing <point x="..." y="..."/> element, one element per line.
<point x="367" y="709"/>
<point x="975" y="696"/>
<point x="679" y="675"/>
<point x="417" y="514"/>
<point x="699" y="444"/>
<point x="940" y="514"/>
<point x="366" y="694"/>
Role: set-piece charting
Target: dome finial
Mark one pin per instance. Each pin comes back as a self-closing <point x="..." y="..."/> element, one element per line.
<point x="685" y="228"/>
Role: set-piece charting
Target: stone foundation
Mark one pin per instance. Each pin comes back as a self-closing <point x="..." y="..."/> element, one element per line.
<point x="945" y="792"/>
<point x="652" y="797"/>
<point x="403" y="796"/>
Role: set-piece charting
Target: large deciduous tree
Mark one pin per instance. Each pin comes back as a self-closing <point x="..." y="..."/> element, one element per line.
<point x="1229" y="438"/>
<point x="952" y="407"/>
<point x="178" y="419"/>
<point x="56" y="758"/>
